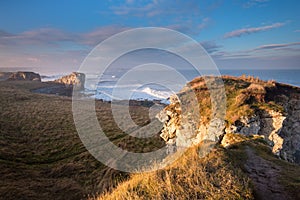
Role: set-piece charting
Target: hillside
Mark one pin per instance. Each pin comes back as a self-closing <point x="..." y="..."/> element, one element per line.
<point x="243" y="159"/>
<point x="42" y="157"/>
<point x="246" y="170"/>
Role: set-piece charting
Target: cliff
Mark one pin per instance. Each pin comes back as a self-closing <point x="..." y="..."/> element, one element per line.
<point x="23" y="76"/>
<point x="75" y="80"/>
<point x="253" y="107"/>
<point x="40" y="145"/>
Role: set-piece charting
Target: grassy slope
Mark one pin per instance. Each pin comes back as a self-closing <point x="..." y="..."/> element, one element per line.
<point x="219" y="175"/>
<point x="222" y="174"/>
<point x="41" y="155"/>
<point x="190" y="177"/>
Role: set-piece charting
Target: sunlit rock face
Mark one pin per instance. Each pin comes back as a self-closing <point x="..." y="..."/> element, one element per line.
<point x="184" y="130"/>
<point x="75" y="80"/>
<point x="271" y="111"/>
<point x="24" y="76"/>
<point x="183" y="125"/>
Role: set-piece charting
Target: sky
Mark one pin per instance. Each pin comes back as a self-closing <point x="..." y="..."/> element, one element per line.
<point x="52" y="37"/>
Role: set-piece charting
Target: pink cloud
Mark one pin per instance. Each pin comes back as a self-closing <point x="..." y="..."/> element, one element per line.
<point x="248" y="31"/>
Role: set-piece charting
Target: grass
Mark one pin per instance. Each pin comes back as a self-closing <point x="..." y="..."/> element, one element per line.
<point x="221" y="174"/>
<point x="41" y="155"/>
<point x="190" y="177"/>
<point x="243" y="97"/>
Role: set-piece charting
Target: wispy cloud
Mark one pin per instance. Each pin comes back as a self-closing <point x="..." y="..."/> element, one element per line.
<point x="49" y="36"/>
<point x="210" y="46"/>
<point x="248" y="31"/>
<point x="158" y="7"/>
<point x="50" y="49"/>
<point x="4" y="34"/>
<point x="94" y="37"/>
<point x="267" y="50"/>
<point x="192" y="28"/>
<point x="276" y="46"/>
<point x="182" y="15"/>
<point x="53" y="37"/>
<point x="252" y="3"/>
<point x="297" y="31"/>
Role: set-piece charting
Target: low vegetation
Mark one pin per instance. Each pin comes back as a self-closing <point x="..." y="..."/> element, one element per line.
<point x="190" y="177"/>
<point x="41" y="155"/>
<point x="221" y="174"/>
<point x="244" y="96"/>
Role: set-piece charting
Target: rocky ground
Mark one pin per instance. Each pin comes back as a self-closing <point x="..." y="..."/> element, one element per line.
<point x="264" y="175"/>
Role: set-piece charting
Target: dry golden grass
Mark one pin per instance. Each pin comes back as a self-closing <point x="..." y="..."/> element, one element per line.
<point x="244" y="95"/>
<point x="190" y="177"/>
<point x="219" y="175"/>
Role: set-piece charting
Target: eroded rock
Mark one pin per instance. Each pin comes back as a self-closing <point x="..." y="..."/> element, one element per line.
<point x="75" y="80"/>
<point x="273" y="114"/>
<point x="290" y="132"/>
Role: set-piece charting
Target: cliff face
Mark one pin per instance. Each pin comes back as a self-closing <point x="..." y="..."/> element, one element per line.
<point x="290" y="131"/>
<point x="24" y="76"/>
<point x="75" y="80"/>
<point x="254" y="107"/>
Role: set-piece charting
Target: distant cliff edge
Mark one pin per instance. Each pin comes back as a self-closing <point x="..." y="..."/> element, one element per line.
<point x="20" y="76"/>
<point x="63" y="86"/>
<point x="75" y="80"/>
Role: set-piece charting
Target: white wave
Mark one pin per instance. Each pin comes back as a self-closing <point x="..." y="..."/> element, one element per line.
<point x="50" y="78"/>
<point x="157" y="93"/>
<point x="113" y="86"/>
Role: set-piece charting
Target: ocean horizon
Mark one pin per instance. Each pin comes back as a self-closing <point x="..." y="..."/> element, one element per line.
<point x="139" y="91"/>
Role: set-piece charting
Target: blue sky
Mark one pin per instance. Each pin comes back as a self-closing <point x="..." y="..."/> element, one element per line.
<point x="55" y="36"/>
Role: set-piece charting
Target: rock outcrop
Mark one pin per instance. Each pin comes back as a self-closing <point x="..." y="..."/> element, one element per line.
<point x="75" y="80"/>
<point x="183" y="124"/>
<point x="24" y="76"/>
<point x="267" y="123"/>
<point x="290" y="131"/>
<point x="254" y="108"/>
<point x="183" y="130"/>
<point x="271" y="126"/>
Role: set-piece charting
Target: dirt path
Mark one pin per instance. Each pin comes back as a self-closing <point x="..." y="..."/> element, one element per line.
<point x="264" y="177"/>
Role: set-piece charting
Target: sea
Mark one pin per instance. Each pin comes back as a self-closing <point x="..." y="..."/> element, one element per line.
<point x="109" y="88"/>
